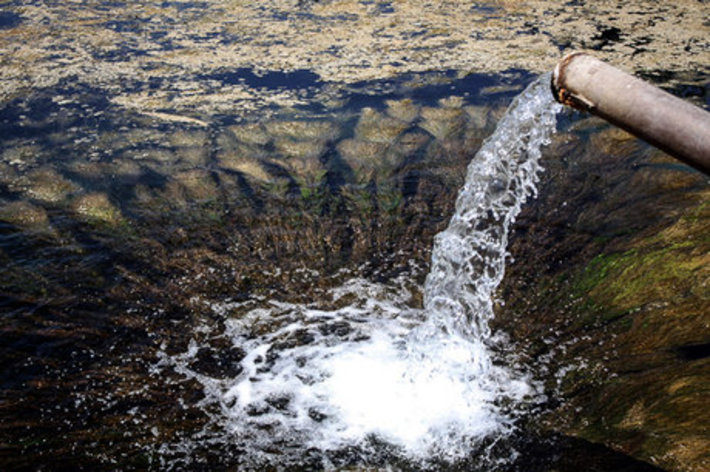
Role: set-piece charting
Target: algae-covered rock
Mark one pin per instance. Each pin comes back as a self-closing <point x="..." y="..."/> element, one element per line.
<point x="404" y="110"/>
<point x="191" y="146"/>
<point x="409" y="144"/>
<point x="97" y="208"/>
<point x="302" y="159"/>
<point x="251" y="133"/>
<point x="453" y="101"/>
<point x="185" y="138"/>
<point x="153" y="155"/>
<point x="311" y="149"/>
<point x="375" y="127"/>
<point x="8" y="175"/>
<point x="25" y="215"/>
<point x="612" y="280"/>
<point x="442" y="122"/>
<point x="477" y="115"/>
<point x="252" y="168"/>
<point x="191" y="186"/>
<point x="303" y="129"/>
<point x="246" y="159"/>
<point x="47" y="185"/>
<point x="615" y="142"/>
<point x="363" y="157"/>
<point x="22" y="155"/>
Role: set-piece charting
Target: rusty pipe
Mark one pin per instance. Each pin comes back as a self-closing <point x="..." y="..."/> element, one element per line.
<point x="659" y="118"/>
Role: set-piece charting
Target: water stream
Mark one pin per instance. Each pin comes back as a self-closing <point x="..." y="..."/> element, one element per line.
<point x="333" y="386"/>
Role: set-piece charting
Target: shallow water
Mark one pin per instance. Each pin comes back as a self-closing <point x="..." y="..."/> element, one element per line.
<point x="134" y="247"/>
<point x="423" y="383"/>
<point x="174" y="272"/>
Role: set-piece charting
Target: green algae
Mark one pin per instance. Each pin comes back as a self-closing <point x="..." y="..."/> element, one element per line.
<point x="656" y="296"/>
<point x="612" y="290"/>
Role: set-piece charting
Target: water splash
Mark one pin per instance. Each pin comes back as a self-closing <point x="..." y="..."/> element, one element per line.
<point x="468" y="260"/>
<point x="377" y="370"/>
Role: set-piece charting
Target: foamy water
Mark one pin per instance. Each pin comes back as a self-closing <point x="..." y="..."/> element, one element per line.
<point x="426" y="380"/>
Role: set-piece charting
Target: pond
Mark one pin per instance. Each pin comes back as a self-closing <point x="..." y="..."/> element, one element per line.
<point x="229" y="266"/>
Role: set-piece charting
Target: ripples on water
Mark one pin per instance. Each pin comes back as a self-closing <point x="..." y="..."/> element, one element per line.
<point x="147" y="260"/>
<point x="167" y="283"/>
<point x="420" y="383"/>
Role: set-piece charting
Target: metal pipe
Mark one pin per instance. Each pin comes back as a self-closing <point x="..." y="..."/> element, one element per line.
<point x="667" y="122"/>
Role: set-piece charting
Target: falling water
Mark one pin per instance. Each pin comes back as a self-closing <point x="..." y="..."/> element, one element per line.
<point x="377" y="371"/>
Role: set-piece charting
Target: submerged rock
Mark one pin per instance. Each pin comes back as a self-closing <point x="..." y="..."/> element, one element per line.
<point x="410" y="144"/>
<point x="309" y="150"/>
<point x="303" y="129"/>
<point x="302" y="159"/>
<point x="47" y="185"/>
<point x="251" y="133"/>
<point x="611" y="273"/>
<point x="478" y="115"/>
<point x="375" y="127"/>
<point x="26" y="216"/>
<point x="97" y="208"/>
<point x="187" y="138"/>
<point x="246" y="159"/>
<point x="405" y="110"/>
<point x="192" y="186"/>
<point x="252" y="168"/>
<point x="191" y="146"/>
<point x="443" y="123"/>
<point x="615" y="142"/>
<point x="21" y="156"/>
<point x="362" y="157"/>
